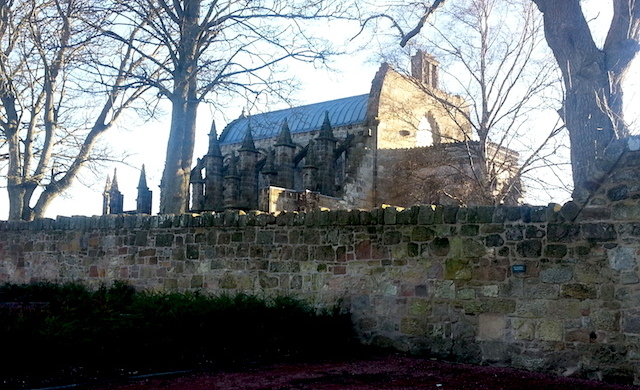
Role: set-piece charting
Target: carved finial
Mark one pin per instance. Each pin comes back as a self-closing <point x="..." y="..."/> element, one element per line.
<point x="247" y="142"/>
<point x="107" y="186"/>
<point x="326" y="131"/>
<point x="142" y="183"/>
<point x="114" y="183"/>
<point x="214" y="144"/>
<point x="284" y="137"/>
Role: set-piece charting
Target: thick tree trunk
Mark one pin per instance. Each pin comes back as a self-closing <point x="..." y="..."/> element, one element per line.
<point x="174" y="188"/>
<point x="177" y="166"/>
<point x="592" y="109"/>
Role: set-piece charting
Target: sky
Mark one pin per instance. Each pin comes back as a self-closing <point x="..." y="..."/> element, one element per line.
<point x="145" y="143"/>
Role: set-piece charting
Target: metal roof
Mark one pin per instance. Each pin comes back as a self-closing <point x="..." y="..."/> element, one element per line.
<point x="342" y="112"/>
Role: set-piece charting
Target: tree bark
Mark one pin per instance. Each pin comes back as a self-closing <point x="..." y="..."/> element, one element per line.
<point x="184" y="99"/>
<point x="592" y="109"/>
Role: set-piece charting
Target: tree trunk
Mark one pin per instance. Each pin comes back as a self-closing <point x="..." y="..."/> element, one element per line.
<point x="177" y="166"/>
<point x="592" y="109"/>
<point x="174" y="188"/>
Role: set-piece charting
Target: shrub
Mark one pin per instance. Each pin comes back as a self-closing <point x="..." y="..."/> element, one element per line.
<point x="56" y="332"/>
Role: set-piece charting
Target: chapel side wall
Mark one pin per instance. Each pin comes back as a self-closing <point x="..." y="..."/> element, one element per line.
<point x="428" y="280"/>
<point x="403" y="104"/>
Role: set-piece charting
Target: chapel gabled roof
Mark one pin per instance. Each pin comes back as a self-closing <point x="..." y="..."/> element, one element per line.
<point x="342" y="112"/>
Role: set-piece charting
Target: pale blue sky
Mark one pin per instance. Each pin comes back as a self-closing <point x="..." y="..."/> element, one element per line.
<point x="146" y="143"/>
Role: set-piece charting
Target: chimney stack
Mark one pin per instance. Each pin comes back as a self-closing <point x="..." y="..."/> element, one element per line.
<point x="424" y="68"/>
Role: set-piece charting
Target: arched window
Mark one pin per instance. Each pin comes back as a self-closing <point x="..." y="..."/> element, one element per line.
<point x="428" y="133"/>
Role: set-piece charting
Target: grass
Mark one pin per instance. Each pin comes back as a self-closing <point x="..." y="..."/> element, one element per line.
<point x="60" y="333"/>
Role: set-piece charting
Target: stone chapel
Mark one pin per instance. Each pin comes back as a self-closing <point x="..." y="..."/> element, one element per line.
<point x="395" y="145"/>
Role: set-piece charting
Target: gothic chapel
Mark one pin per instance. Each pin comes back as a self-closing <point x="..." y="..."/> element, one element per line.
<point x="395" y="145"/>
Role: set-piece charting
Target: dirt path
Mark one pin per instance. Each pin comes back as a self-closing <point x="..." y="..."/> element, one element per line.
<point x="390" y="372"/>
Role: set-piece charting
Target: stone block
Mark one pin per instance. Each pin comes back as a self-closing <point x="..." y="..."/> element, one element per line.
<point x="550" y="330"/>
<point x="570" y="211"/>
<point x="197" y="281"/>
<point x="631" y="322"/>
<point x="541" y="291"/>
<point x="493" y="240"/>
<point x="413" y="326"/>
<point x="193" y="251"/>
<point x="606" y="320"/>
<point x="529" y="248"/>
<point x="514" y="233"/>
<point x="484" y="214"/>
<point x="457" y="269"/>
<point x="579" y="336"/>
<point x="267" y="281"/>
<point x="579" y="291"/>
<point x="534" y="232"/>
<point x="626" y="212"/>
<point x="467" y="293"/>
<point x="445" y="289"/>
<point x="531" y="308"/>
<point x="264" y="237"/>
<point x="413" y="250"/>
<point x="595" y="213"/>
<point x="502" y="305"/>
<point x="469" y="230"/>
<point x="421" y="290"/>
<point x="325" y="253"/>
<point x="617" y="193"/>
<point x="284" y="266"/>
<point x="555" y="250"/>
<point x="390" y="215"/>
<point x="449" y="214"/>
<point x="170" y="284"/>
<point x="563" y="232"/>
<point x="422" y="234"/>
<point x="392" y="237"/>
<point x="489" y="291"/>
<point x="467" y="247"/>
<point x="564" y="309"/>
<point x="507" y="213"/>
<point x="588" y="273"/>
<point x="491" y="326"/>
<point x="491" y="228"/>
<point x="164" y="240"/>
<point x="629" y="277"/>
<point x="524" y="329"/>
<point x="538" y="213"/>
<point x="419" y="307"/>
<point x="440" y="246"/>
<point x="426" y="215"/>
<point x="598" y="232"/>
<point x="622" y="258"/>
<point x="556" y="275"/>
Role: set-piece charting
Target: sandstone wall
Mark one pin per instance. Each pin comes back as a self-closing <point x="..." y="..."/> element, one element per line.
<point x="439" y="281"/>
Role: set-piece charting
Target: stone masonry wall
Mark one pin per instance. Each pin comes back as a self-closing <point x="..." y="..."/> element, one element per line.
<point x="544" y="288"/>
<point x="439" y="281"/>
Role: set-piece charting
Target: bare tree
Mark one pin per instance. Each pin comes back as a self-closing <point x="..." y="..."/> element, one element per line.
<point x="493" y="57"/>
<point x="58" y="96"/>
<point x="593" y="105"/>
<point x="220" y="48"/>
<point x="593" y="76"/>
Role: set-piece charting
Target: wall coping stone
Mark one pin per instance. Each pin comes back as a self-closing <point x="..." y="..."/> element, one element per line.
<point x="416" y="215"/>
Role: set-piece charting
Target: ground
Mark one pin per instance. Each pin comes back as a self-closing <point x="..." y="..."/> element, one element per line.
<point x="379" y="373"/>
